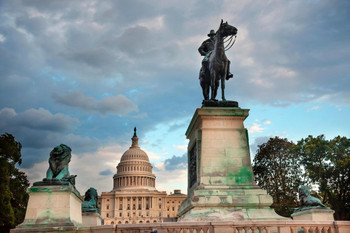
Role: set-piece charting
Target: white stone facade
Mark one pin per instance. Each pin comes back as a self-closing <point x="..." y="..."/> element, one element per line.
<point x="134" y="198"/>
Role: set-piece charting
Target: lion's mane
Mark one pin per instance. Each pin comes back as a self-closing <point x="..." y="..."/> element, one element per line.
<point x="60" y="156"/>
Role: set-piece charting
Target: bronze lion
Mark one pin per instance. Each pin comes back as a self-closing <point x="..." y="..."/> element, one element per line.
<point x="60" y="156"/>
<point x="308" y="201"/>
<point x="90" y="201"/>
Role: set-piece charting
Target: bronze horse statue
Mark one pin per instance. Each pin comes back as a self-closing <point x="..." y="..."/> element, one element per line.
<point x="217" y="65"/>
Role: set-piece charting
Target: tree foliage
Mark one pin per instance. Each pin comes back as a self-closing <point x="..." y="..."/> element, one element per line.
<point x="327" y="164"/>
<point x="281" y="167"/>
<point x="13" y="184"/>
<point x="277" y="170"/>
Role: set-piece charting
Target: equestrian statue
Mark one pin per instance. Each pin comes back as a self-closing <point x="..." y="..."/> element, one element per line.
<point x="215" y="65"/>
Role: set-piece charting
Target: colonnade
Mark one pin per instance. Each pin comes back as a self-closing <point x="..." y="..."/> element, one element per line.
<point x="125" y="181"/>
<point x="137" y="167"/>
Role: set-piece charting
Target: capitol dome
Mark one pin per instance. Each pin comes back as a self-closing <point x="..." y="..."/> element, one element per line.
<point x="134" y="170"/>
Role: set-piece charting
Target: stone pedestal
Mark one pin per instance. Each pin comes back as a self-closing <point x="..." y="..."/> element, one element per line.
<point x="221" y="184"/>
<point x="91" y="219"/>
<point x="318" y="214"/>
<point x="52" y="206"/>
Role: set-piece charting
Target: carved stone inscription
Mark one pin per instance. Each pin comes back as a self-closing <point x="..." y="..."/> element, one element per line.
<point x="192" y="169"/>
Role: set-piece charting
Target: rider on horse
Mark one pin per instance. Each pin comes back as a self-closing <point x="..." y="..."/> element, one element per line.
<point x="207" y="48"/>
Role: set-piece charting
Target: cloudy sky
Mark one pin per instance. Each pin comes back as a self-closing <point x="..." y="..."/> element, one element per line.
<point x="84" y="73"/>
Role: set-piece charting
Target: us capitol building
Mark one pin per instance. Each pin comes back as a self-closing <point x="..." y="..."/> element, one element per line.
<point x="134" y="198"/>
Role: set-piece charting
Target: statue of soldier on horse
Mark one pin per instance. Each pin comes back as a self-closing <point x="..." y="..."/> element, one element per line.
<point x="215" y="65"/>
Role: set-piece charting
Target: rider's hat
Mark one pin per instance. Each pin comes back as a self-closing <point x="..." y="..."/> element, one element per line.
<point x="211" y="33"/>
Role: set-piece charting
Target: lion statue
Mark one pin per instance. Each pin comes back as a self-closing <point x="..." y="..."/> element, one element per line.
<point x="308" y="201"/>
<point x="90" y="201"/>
<point x="58" y="170"/>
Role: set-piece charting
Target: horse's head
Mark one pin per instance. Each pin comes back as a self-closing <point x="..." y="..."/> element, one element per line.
<point x="226" y="29"/>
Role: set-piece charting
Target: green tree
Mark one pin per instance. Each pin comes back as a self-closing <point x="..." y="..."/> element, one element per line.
<point x="277" y="170"/>
<point x="327" y="164"/>
<point x="13" y="184"/>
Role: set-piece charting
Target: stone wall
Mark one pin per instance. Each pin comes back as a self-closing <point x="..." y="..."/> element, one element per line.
<point x="288" y="226"/>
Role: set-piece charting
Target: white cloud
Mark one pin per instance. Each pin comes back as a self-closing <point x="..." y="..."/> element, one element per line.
<point x="314" y="108"/>
<point x="282" y="72"/>
<point x="156" y="23"/>
<point x="255" y="128"/>
<point x="151" y="155"/>
<point x="181" y="147"/>
<point x="168" y="181"/>
<point x="2" y="38"/>
<point x="37" y="172"/>
<point x="267" y="122"/>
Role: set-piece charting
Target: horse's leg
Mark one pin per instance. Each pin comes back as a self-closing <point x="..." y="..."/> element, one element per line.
<point x="216" y="87"/>
<point x="204" y="84"/>
<point x="223" y="77"/>
<point x="223" y="87"/>
<point x="206" y="76"/>
<point x="212" y="85"/>
<point x="206" y="91"/>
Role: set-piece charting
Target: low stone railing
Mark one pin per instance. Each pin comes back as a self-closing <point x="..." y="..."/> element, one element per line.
<point x="289" y="226"/>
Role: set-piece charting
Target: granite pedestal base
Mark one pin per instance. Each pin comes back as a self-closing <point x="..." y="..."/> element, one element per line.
<point x="223" y="204"/>
<point x="318" y="214"/>
<point x="221" y="184"/>
<point x="91" y="219"/>
<point x="57" y="206"/>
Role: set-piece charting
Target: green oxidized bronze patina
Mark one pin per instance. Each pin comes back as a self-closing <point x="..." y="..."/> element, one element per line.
<point x="58" y="173"/>
<point x="244" y="176"/>
<point x="90" y="201"/>
<point x="307" y="201"/>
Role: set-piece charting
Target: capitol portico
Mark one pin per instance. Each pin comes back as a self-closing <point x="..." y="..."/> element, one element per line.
<point x="134" y="198"/>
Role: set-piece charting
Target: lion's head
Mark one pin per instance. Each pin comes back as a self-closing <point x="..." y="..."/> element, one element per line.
<point x="90" y="194"/>
<point x="59" y="158"/>
<point x="303" y="191"/>
<point x="90" y="201"/>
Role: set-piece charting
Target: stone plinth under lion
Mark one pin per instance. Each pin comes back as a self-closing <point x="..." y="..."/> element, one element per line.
<point x="54" y="203"/>
<point x="221" y="184"/>
<point x="311" y="208"/>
